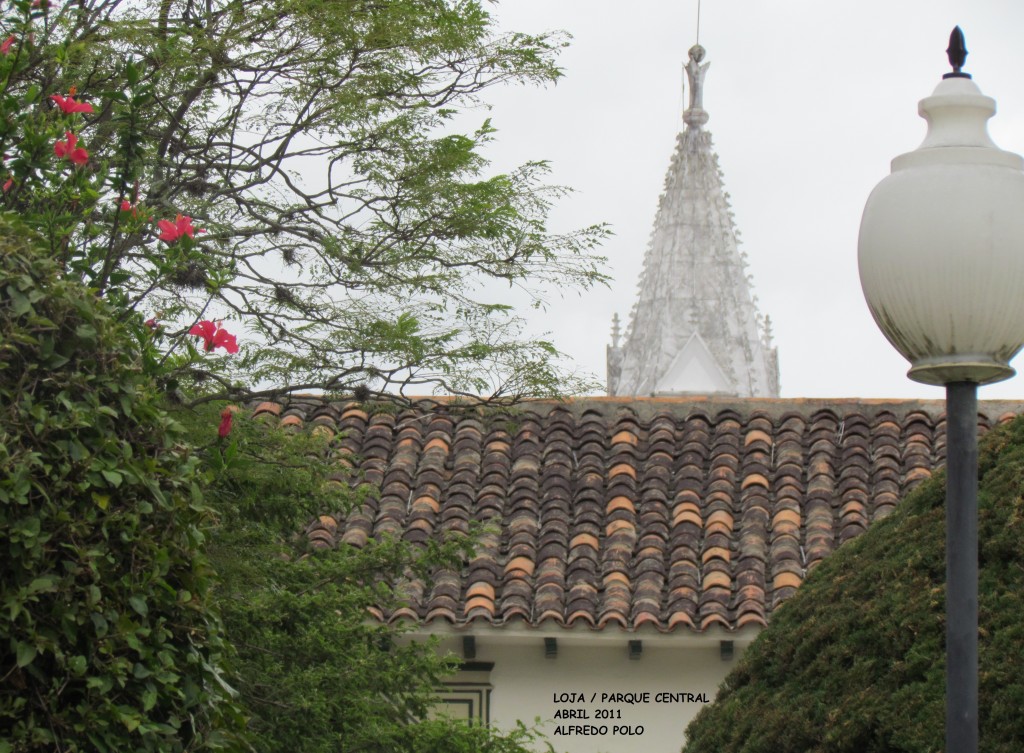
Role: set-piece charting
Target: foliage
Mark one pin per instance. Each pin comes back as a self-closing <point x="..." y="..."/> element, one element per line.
<point x="314" y="673"/>
<point x="106" y="639"/>
<point x="855" y="661"/>
<point x="117" y="119"/>
<point x="58" y="187"/>
<point x="348" y="225"/>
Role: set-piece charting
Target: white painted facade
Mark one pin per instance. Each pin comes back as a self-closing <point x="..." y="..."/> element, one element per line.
<point x="661" y="690"/>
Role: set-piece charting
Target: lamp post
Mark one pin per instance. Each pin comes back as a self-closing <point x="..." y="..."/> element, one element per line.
<point x="941" y="255"/>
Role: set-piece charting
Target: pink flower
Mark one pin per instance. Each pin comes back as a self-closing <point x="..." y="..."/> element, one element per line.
<point x="69" y="105"/>
<point x="214" y="336"/>
<point x="5" y="46"/>
<point x="152" y="323"/>
<point x="7" y="184"/>
<point x="225" y="423"/>
<point x="78" y="155"/>
<point x="171" y="231"/>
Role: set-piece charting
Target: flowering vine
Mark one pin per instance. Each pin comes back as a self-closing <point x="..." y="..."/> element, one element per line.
<point x="60" y="204"/>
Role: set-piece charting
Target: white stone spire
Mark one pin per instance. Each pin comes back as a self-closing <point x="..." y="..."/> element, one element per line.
<point x="695" y="328"/>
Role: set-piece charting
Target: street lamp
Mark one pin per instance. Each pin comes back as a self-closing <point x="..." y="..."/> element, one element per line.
<point x="941" y="256"/>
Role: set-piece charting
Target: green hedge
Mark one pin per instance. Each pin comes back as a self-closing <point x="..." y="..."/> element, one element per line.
<point x="855" y="661"/>
<point x="106" y="642"/>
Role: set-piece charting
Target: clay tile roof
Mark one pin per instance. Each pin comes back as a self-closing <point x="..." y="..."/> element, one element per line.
<point x="674" y="513"/>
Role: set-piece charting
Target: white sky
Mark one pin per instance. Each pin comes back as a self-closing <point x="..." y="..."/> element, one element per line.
<point x="809" y="101"/>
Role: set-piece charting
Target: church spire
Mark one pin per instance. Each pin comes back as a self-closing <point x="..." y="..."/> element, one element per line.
<point x="695" y="327"/>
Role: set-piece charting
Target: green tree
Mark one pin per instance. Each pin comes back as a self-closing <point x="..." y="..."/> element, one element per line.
<point x="107" y="639"/>
<point x="107" y="642"/>
<point x="346" y="225"/>
<point x="854" y="662"/>
<point x="313" y="672"/>
<point x="218" y="119"/>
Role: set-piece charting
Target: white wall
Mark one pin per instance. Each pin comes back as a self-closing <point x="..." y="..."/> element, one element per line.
<point x="527" y="685"/>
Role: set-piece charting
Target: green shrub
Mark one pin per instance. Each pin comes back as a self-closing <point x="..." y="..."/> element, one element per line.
<point x="855" y="661"/>
<point x="106" y="641"/>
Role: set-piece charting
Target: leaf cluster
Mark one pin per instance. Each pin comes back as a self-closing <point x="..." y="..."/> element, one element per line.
<point x="855" y="661"/>
<point x="107" y="642"/>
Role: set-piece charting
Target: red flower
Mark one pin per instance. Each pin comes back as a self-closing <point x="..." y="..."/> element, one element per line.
<point x="171" y="231"/>
<point x="152" y="323"/>
<point x="5" y="46"/>
<point x="127" y="206"/>
<point x="69" y="105"/>
<point x="78" y="155"/>
<point x="225" y="423"/>
<point x="214" y="336"/>
<point x="7" y="184"/>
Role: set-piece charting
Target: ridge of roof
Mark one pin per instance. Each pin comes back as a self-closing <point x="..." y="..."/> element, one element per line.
<point x="646" y="405"/>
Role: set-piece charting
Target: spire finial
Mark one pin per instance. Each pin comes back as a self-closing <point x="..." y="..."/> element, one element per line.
<point x="957" y="54"/>
<point x="695" y="116"/>
<point x="616" y="333"/>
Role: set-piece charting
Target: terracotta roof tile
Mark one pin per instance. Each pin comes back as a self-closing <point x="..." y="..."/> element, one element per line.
<point x="274" y="409"/>
<point x="674" y="513"/>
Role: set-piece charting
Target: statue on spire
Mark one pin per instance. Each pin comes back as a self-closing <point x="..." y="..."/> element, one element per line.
<point x="695" y="115"/>
<point x="695" y="74"/>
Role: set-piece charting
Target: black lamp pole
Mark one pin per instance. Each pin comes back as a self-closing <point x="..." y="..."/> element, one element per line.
<point x="962" y="567"/>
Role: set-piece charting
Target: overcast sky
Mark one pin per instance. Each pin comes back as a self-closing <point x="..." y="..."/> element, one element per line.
<point x="809" y="101"/>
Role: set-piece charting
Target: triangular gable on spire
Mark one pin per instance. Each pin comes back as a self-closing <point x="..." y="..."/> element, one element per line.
<point x="694" y="371"/>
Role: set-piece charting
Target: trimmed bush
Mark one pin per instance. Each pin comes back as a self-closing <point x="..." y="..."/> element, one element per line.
<point x="855" y="661"/>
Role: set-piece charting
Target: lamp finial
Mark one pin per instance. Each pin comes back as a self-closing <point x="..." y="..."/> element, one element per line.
<point x="957" y="54"/>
